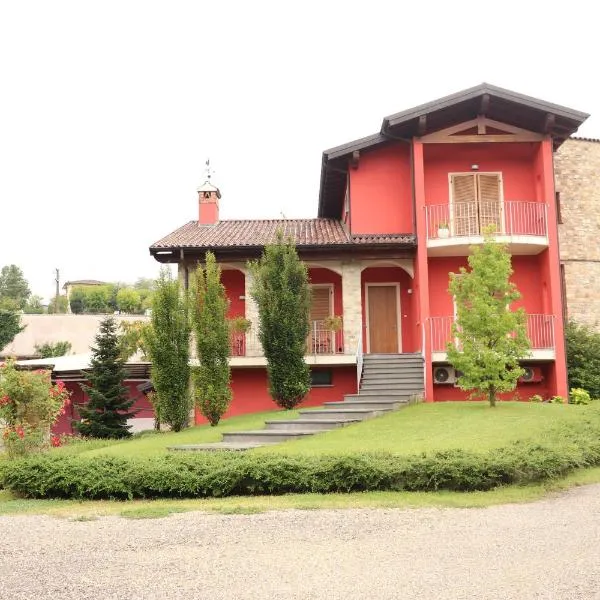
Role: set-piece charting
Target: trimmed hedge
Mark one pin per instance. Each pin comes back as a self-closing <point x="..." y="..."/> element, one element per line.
<point x="224" y="474"/>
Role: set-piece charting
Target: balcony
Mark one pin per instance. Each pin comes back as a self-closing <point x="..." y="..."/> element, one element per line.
<point x="540" y="331"/>
<point x="323" y="347"/>
<point x="522" y="225"/>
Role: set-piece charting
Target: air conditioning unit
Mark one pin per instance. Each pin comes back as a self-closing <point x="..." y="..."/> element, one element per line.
<point x="444" y="375"/>
<point x="531" y="375"/>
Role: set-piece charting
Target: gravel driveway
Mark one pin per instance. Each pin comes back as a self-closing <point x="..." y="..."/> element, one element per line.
<point x="548" y="549"/>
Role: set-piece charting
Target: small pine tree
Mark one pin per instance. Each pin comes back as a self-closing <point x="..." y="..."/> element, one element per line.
<point x="106" y="413"/>
<point x="282" y="294"/>
<point x="167" y="343"/>
<point x="491" y="337"/>
<point x="213" y="375"/>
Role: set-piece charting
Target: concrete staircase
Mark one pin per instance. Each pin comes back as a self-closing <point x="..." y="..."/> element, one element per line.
<point x="389" y="382"/>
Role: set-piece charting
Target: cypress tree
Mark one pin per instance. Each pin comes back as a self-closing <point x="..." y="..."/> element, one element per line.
<point x="106" y="413"/>
<point x="213" y="375"/>
<point x="282" y="294"/>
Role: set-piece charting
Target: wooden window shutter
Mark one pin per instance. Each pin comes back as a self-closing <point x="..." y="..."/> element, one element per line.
<point x="464" y="204"/>
<point x="490" y="205"/>
<point x="319" y="309"/>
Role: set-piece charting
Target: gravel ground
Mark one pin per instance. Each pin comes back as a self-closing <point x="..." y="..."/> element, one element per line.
<point x="547" y="549"/>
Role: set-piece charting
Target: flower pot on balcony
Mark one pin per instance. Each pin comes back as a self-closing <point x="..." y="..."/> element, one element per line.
<point x="443" y="231"/>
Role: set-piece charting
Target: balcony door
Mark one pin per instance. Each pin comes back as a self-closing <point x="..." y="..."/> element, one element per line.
<point x="476" y="201"/>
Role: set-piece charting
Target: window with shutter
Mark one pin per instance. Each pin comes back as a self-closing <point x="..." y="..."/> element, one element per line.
<point x="319" y="340"/>
<point x="476" y="202"/>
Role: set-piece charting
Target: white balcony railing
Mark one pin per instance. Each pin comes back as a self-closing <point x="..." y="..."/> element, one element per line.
<point x="540" y="331"/>
<point x="320" y="341"/>
<point x="465" y="219"/>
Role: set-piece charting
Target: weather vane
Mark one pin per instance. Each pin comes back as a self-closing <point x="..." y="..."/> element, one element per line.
<point x="208" y="170"/>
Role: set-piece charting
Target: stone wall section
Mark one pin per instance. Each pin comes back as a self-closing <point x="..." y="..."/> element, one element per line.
<point x="577" y="176"/>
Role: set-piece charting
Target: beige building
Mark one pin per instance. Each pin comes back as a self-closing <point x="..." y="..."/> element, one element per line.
<point x="577" y="173"/>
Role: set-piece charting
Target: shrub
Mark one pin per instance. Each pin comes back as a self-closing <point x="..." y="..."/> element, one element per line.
<point x="579" y="396"/>
<point x="536" y="398"/>
<point x="583" y="358"/>
<point x="222" y="474"/>
<point x="557" y="400"/>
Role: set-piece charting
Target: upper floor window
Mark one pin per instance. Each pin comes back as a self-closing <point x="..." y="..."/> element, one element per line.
<point x="475" y="202"/>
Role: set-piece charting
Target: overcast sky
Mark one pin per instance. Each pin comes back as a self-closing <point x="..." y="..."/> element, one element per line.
<point x="108" y="110"/>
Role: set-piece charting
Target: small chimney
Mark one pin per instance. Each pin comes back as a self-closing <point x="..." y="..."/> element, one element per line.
<point x="208" y="204"/>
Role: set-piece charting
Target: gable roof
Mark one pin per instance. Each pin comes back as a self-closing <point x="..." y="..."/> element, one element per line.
<point x="253" y="234"/>
<point x="488" y="100"/>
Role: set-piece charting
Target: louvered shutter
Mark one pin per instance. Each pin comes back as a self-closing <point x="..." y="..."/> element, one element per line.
<point x="490" y="206"/>
<point x="464" y="204"/>
<point x="319" y="338"/>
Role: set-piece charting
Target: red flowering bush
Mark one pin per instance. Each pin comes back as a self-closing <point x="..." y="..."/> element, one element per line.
<point x="29" y="404"/>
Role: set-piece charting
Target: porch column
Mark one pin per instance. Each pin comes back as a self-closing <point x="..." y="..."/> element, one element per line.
<point x="352" y="305"/>
<point x="252" y="344"/>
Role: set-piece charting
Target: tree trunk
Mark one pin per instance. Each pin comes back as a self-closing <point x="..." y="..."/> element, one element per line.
<point x="492" y="397"/>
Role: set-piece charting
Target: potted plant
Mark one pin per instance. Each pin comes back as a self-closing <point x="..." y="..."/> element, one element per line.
<point x="240" y="325"/>
<point x="332" y="323"/>
<point x="238" y="328"/>
<point x="443" y="230"/>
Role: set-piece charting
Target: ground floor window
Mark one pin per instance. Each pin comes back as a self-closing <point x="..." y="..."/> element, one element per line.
<point x="321" y="377"/>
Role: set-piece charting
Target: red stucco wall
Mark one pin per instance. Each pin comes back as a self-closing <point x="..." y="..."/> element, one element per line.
<point x="381" y="192"/>
<point x="250" y="391"/>
<point x="524" y="391"/>
<point x="235" y="286"/>
<point x="515" y="161"/>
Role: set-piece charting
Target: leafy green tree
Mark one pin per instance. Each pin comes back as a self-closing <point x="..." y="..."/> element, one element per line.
<point x="168" y="345"/>
<point x="77" y="300"/>
<point x="583" y="358"/>
<point x="96" y="299"/>
<point x="34" y="306"/>
<point x="132" y="339"/>
<point x="128" y="300"/>
<point x="282" y="294"/>
<point x="50" y="350"/>
<point x="491" y="337"/>
<point x="14" y="286"/>
<point x="10" y="326"/>
<point x="213" y="375"/>
<point x="106" y="413"/>
<point x="60" y="308"/>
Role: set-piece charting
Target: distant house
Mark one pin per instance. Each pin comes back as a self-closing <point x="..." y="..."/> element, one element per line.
<point x="69" y="285"/>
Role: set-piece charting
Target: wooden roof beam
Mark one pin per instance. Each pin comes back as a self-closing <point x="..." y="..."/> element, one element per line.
<point x="422" y="127"/>
<point x="549" y="123"/>
<point x="484" y="105"/>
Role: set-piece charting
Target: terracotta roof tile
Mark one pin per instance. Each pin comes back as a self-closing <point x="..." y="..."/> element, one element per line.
<point x="245" y="233"/>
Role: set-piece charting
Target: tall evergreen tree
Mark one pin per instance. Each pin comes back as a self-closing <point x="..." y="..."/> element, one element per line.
<point x="212" y="377"/>
<point x="14" y="286"/>
<point x="10" y="325"/>
<point x="282" y="294"/>
<point x="106" y="413"/>
<point x="167" y="343"/>
<point x="491" y="337"/>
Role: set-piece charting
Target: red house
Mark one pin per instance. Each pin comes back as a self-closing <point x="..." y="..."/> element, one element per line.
<point x="397" y="212"/>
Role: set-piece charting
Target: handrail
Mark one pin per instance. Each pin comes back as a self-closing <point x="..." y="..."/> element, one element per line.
<point x="359" y="360"/>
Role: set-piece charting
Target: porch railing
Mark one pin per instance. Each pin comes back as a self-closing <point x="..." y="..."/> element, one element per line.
<point x="465" y="219"/>
<point x="359" y="361"/>
<point x="320" y="341"/>
<point x="540" y="331"/>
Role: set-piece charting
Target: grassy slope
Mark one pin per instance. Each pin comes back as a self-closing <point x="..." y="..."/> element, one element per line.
<point x="440" y="426"/>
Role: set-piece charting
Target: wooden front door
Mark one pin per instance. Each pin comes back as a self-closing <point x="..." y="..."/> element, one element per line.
<point x="383" y="319"/>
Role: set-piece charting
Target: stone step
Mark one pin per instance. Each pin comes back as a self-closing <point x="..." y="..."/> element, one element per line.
<point x="392" y="365"/>
<point x="386" y="394"/>
<point x="309" y="424"/>
<point x="393" y="376"/>
<point x="408" y="384"/>
<point x="264" y="436"/>
<point x="382" y="396"/>
<point x="392" y="369"/>
<point x="215" y="446"/>
<point x="374" y="404"/>
<point x="342" y="413"/>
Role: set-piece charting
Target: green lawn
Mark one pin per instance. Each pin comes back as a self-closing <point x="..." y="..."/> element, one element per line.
<point x="429" y="427"/>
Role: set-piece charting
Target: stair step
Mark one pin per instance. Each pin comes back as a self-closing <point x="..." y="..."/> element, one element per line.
<point x="382" y="396"/>
<point x="215" y="446"/>
<point x="391" y="377"/>
<point x="375" y="393"/>
<point x="370" y="404"/>
<point x="388" y="369"/>
<point x="309" y="424"/>
<point x="342" y="413"/>
<point x="265" y="436"/>
<point x="382" y="385"/>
